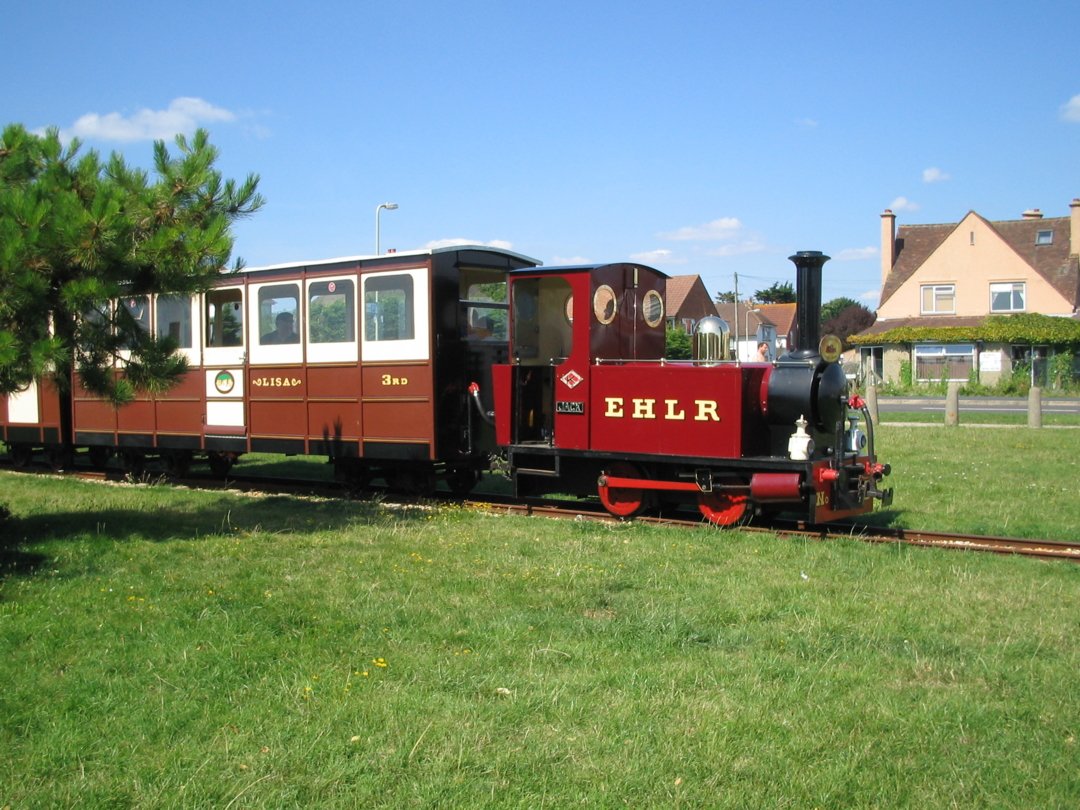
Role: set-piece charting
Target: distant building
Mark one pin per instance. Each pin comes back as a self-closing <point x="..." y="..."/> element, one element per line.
<point x="750" y="324"/>
<point x="687" y="302"/>
<point x="959" y="274"/>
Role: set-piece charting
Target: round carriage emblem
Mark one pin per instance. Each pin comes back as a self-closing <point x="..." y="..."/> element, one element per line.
<point x="331" y="287"/>
<point x="224" y="382"/>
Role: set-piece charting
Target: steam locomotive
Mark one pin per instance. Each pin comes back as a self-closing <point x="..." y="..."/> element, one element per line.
<point x="417" y="367"/>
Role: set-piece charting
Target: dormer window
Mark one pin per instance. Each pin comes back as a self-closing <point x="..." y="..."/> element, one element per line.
<point x="1044" y="238"/>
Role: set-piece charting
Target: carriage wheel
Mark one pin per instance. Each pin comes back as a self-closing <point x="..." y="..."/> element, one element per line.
<point x="725" y="508"/>
<point x="59" y="457"/>
<point x="417" y="482"/>
<point x="99" y="456"/>
<point x="21" y="455"/>
<point x="624" y="502"/>
<point x="220" y="463"/>
<point x="133" y="462"/>
<point x="177" y="463"/>
<point x="461" y="480"/>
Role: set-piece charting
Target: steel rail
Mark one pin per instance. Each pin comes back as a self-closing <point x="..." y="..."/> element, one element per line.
<point x="586" y="510"/>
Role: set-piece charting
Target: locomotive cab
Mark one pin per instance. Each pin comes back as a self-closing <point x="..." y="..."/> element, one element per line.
<point x="564" y="321"/>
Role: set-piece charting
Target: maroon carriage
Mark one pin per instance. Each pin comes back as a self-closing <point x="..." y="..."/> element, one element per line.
<point x="364" y="360"/>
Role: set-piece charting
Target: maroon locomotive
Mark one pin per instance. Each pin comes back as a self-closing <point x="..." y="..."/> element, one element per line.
<point x="588" y="404"/>
<point x="372" y="362"/>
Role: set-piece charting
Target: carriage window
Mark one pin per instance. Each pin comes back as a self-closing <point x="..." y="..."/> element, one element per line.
<point x="331" y="311"/>
<point x="279" y="314"/>
<point x="224" y="318"/>
<point x="388" y="308"/>
<point x="486" y="310"/>
<point x="174" y="319"/>
<point x="138" y="307"/>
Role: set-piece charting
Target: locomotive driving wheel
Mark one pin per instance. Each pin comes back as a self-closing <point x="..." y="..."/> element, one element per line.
<point x="725" y="507"/>
<point x="622" y="501"/>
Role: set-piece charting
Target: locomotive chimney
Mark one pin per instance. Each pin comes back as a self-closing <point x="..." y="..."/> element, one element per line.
<point x="808" y="264"/>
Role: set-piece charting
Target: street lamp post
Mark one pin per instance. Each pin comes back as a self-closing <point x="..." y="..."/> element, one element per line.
<point x="378" y="210"/>
<point x="746" y="323"/>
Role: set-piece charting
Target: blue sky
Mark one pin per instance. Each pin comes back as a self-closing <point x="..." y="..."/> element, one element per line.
<point x="698" y="137"/>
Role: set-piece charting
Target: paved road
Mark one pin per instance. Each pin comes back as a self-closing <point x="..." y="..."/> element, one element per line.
<point x="1007" y="404"/>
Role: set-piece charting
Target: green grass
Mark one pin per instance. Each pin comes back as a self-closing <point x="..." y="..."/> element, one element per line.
<point x="1014" y="482"/>
<point x="1015" y="419"/>
<point x="171" y="648"/>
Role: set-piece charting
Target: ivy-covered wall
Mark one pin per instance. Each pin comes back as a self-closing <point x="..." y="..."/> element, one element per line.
<point x="1029" y="328"/>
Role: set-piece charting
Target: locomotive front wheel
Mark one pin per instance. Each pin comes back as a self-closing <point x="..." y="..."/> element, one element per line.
<point x="624" y="502"/>
<point x="725" y="508"/>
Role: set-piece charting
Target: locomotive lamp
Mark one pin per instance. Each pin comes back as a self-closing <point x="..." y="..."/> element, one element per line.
<point x="830" y="348"/>
<point x="800" y="445"/>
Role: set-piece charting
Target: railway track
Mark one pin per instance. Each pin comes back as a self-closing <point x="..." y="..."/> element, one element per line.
<point x="584" y="510"/>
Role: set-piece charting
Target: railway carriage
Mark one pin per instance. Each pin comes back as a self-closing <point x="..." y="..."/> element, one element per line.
<point x="364" y="360"/>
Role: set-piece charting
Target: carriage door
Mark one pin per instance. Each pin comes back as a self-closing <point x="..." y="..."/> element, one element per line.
<point x="224" y="349"/>
<point x="542" y="342"/>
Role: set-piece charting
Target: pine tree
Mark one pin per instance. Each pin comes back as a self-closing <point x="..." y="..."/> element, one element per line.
<point x="78" y="235"/>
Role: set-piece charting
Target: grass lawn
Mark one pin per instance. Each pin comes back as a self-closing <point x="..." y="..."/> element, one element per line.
<point x="172" y="648"/>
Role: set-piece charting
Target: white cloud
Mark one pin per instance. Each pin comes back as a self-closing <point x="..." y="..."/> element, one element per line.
<point x="456" y="241"/>
<point x="723" y="228"/>
<point x="934" y="175"/>
<point x="856" y="254"/>
<point x="658" y="256"/>
<point x="1070" y="110"/>
<point x="903" y="204"/>
<point x="739" y="248"/>
<point x="183" y="115"/>
<point x="808" y="123"/>
<point x="871" y="295"/>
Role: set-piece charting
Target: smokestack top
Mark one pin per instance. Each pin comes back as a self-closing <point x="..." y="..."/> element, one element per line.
<point x="1033" y="213"/>
<point x="808" y="264"/>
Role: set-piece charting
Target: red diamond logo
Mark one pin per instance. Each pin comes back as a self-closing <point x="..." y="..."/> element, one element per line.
<point x="572" y="379"/>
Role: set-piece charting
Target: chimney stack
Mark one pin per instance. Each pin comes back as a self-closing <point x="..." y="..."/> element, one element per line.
<point x="888" y="243"/>
<point x="1033" y="213"/>
<point x="1074" y="226"/>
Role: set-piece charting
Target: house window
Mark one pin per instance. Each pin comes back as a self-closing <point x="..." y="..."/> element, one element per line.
<point x="944" y="362"/>
<point x="1007" y="296"/>
<point x="1044" y="238"/>
<point x="938" y="299"/>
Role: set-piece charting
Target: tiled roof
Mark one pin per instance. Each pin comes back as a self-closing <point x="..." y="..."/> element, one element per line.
<point x="783" y="315"/>
<point x="916" y="243"/>
<point x="679" y="289"/>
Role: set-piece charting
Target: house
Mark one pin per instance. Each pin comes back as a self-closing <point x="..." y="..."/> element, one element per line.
<point x="750" y="325"/>
<point x="687" y="302"/>
<point x="782" y="316"/>
<point x="943" y="284"/>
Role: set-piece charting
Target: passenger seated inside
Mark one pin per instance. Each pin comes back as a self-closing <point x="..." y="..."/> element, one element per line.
<point x="284" y="332"/>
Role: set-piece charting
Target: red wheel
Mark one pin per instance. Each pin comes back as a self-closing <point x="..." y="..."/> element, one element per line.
<point x="724" y="508"/>
<point x="622" y="502"/>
